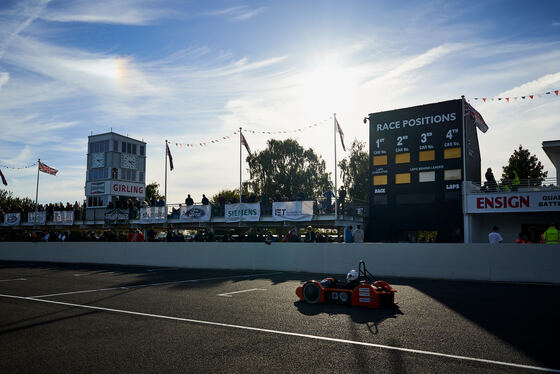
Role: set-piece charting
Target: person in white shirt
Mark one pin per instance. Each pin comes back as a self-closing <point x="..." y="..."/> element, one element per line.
<point x="494" y="237"/>
<point x="358" y="235"/>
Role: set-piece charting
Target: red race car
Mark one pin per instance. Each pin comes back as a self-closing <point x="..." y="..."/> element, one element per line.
<point x="360" y="289"/>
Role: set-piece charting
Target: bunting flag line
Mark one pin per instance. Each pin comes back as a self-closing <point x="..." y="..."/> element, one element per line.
<point x="18" y="168"/>
<point x="475" y="117"/>
<point x="4" y="182"/>
<point x="244" y="142"/>
<point x="170" y="157"/>
<point x="221" y="139"/>
<point x="508" y="99"/>
<point x="341" y="134"/>
<point x="47" y="169"/>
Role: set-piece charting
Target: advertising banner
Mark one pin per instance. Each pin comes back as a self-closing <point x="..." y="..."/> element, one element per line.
<point x="128" y="189"/>
<point x="116" y="216"/>
<point x="41" y="218"/>
<point x="195" y="213"/>
<point x="514" y="202"/>
<point x="95" y="188"/>
<point x="154" y="214"/>
<point x="243" y="212"/>
<point x="292" y="210"/>
<point x="12" y="219"/>
<point x="63" y="217"/>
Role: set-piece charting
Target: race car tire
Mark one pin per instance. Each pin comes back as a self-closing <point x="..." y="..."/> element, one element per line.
<point x="311" y="292"/>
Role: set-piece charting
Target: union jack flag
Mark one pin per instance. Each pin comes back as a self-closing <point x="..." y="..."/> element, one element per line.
<point x="244" y="142"/>
<point x="47" y="169"/>
<point x="475" y="117"/>
<point x="341" y="134"/>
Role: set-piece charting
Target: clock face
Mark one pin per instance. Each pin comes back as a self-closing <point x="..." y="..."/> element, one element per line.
<point x="128" y="161"/>
<point x="98" y="160"/>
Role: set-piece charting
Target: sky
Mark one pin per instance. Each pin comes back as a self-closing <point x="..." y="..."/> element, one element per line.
<point x="195" y="71"/>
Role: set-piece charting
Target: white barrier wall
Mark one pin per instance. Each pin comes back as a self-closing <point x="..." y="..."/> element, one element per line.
<point x="504" y="262"/>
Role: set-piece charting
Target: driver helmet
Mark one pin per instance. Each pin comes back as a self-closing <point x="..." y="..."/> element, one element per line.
<point x="352" y="275"/>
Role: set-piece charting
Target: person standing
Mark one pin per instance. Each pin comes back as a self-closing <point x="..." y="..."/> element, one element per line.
<point x="310" y="236"/>
<point x="348" y="234"/>
<point x="205" y="200"/>
<point x="551" y="235"/>
<point x="494" y="237"/>
<point x="490" y="180"/>
<point x="328" y="201"/>
<point x="341" y="197"/>
<point x="189" y="200"/>
<point x="358" y="235"/>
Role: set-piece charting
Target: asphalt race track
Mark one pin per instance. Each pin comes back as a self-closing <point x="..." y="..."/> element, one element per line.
<point x="86" y="318"/>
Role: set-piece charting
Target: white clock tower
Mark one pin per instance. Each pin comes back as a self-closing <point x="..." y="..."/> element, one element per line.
<point x="116" y="170"/>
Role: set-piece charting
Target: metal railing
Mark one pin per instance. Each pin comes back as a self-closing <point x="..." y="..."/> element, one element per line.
<point x="521" y="185"/>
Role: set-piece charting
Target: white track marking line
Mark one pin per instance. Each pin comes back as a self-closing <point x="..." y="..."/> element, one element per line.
<point x="163" y="269"/>
<point x="156" y="284"/>
<point x="14" y="279"/>
<point x="278" y="332"/>
<point x="228" y="294"/>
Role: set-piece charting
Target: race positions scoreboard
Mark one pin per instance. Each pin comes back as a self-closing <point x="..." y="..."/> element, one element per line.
<point x="417" y="164"/>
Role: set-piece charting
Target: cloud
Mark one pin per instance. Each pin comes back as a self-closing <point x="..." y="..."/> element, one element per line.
<point x="237" y="13"/>
<point x="4" y="78"/>
<point x="126" y="12"/>
<point x="19" y="19"/>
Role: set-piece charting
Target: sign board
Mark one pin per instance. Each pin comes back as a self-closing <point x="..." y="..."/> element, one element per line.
<point x="243" y="212"/>
<point x="96" y="188"/>
<point x="41" y="218"/>
<point x="153" y="214"/>
<point x="63" y="217"/>
<point x="116" y="216"/>
<point x="195" y="213"/>
<point x="127" y="189"/>
<point x="417" y="163"/>
<point x="12" y="219"/>
<point x="513" y="202"/>
<point x="292" y="210"/>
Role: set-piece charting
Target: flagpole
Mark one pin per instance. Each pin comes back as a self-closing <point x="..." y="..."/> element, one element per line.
<point x="165" y="155"/>
<point x="466" y="220"/>
<point x="335" y="172"/>
<point x="37" y="192"/>
<point x="240" y="167"/>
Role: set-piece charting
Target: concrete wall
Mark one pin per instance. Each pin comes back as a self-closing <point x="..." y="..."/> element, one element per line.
<point x="504" y="262"/>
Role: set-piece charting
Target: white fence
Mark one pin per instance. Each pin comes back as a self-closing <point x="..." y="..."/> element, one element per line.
<point x="504" y="262"/>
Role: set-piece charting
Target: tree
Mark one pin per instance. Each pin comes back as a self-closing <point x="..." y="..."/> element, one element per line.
<point x="526" y="165"/>
<point x="288" y="168"/>
<point x="10" y="203"/>
<point x="355" y="171"/>
<point x="152" y="192"/>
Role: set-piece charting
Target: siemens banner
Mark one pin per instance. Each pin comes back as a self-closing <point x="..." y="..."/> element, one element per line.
<point x="243" y="212"/>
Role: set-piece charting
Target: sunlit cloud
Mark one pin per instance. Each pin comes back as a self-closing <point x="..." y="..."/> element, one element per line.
<point x="4" y="78"/>
<point x="124" y="12"/>
<point x="237" y="13"/>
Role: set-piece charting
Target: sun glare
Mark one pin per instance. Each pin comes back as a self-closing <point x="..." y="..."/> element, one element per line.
<point x="326" y="88"/>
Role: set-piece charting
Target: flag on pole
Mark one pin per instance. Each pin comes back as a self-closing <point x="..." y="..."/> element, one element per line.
<point x="3" y="179"/>
<point x="170" y="157"/>
<point x="244" y="142"/>
<point x="47" y="169"/>
<point x="475" y="117"/>
<point x="341" y="134"/>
